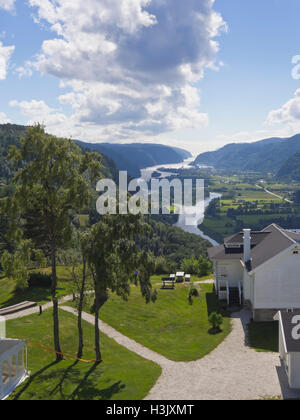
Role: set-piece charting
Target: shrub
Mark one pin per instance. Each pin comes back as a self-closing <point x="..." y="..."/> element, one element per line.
<point x="192" y="293"/>
<point x="40" y="280"/>
<point x="216" y="320"/>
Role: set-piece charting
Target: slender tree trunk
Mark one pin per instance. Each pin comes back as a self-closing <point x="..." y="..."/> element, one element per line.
<point x="80" y="309"/>
<point x="97" y="334"/>
<point x="101" y="297"/>
<point x="55" y="304"/>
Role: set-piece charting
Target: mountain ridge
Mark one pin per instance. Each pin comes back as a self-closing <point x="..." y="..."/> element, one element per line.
<point x="267" y="155"/>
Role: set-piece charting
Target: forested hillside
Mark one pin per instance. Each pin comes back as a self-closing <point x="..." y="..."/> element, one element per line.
<point x="290" y="170"/>
<point x="10" y="136"/>
<point x="265" y="155"/>
<point x="133" y="157"/>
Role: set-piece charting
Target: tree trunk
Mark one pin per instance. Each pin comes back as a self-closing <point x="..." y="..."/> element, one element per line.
<point x="101" y="297"/>
<point x="57" y="348"/>
<point x="80" y="309"/>
<point x="97" y="335"/>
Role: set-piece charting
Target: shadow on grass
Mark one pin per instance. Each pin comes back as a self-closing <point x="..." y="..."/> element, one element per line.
<point x="263" y="336"/>
<point x="214" y="305"/>
<point x="63" y="381"/>
<point x="37" y="295"/>
<point x="215" y="331"/>
<point x="32" y="379"/>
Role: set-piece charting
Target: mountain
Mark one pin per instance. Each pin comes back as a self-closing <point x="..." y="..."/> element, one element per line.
<point x="10" y="135"/>
<point x="290" y="170"/>
<point x="265" y="155"/>
<point x="135" y="156"/>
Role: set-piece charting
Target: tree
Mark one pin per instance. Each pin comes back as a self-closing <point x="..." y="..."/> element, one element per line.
<point x="15" y="265"/>
<point x="216" y="320"/>
<point x="76" y="261"/>
<point x="115" y="263"/>
<point x="54" y="179"/>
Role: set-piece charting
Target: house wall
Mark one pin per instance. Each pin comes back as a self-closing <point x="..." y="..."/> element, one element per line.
<point x="248" y="288"/>
<point x="231" y="271"/>
<point x="277" y="283"/>
<point x="294" y="370"/>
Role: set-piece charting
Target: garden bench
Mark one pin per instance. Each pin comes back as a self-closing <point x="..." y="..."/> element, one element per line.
<point x="168" y="283"/>
<point x="17" y="308"/>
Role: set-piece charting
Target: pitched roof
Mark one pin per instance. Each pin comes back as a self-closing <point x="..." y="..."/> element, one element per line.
<point x="265" y="245"/>
<point x="7" y="344"/>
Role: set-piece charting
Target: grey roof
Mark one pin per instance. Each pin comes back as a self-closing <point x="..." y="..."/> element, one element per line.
<point x="7" y="344"/>
<point x="264" y="246"/>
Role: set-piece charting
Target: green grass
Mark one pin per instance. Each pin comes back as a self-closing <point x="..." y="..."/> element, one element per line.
<point x="263" y="336"/>
<point x="9" y="296"/>
<point x="122" y="375"/>
<point x="170" y="326"/>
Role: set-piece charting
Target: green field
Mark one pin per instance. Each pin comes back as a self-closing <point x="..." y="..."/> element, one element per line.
<point x="263" y="336"/>
<point x="9" y="296"/>
<point x="170" y="326"/>
<point x="123" y="375"/>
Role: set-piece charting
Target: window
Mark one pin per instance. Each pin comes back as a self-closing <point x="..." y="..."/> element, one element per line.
<point x="13" y="366"/>
<point x="21" y="360"/>
<point x="5" y="373"/>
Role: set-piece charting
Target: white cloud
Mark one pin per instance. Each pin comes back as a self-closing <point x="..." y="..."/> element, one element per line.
<point x="4" y="119"/>
<point x="39" y="111"/>
<point x="5" y="54"/>
<point x="288" y="113"/>
<point x="129" y="66"/>
<point x="7" y="5"/>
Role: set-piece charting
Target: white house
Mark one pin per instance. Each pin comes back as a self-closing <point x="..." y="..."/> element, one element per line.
<point x="289" y="345"/>
<point x="13" y="369"/>
<point x="260" y="270"/>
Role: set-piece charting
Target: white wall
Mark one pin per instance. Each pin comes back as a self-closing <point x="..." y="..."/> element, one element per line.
<point x="248" y="286"/>
<point x="232" y="269"/>
<point x="277" y="283"/>
<point x="294" y="370"/>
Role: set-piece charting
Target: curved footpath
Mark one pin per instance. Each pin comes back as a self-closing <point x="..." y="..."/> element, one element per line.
<point x="232" y="371"/>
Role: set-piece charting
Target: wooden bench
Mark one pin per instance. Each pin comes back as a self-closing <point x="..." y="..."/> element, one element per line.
<point x="168" y="283"/>
<point x="17" y="308"/>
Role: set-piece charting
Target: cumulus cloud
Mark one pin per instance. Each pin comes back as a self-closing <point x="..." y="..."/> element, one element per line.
<point x="129" y="66"/>
<point x="288" y="113"/>
<point x="4" y="119"/>
<point x="39" y="111"/>
<point x="7" y="5"/>
<point x="5" y="55"/>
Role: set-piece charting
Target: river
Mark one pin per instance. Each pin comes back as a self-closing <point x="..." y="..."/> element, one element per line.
<point x="146" y="175"/>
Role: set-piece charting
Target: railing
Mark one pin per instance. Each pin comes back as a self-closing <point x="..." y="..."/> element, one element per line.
<point x="240" y="293"/>
<point x="228" y="293"/>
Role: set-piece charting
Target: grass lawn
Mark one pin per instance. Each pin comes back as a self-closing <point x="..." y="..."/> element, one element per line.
<point x="123" y="375"/>
<point x="263" y="336"/>
<point x="170" y="326"/>
<point x="9" y="296"/>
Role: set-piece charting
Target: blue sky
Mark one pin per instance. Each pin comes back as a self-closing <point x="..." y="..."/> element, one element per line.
<point x="150" y="70"/>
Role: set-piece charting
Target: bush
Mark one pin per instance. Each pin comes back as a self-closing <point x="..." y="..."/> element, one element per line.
<point x="216" y="320"/>
<point x="40" y="280"/>
<point x="192" y="293"/>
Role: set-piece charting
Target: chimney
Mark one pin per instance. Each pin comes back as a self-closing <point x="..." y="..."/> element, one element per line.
<point x="247" y="245"/>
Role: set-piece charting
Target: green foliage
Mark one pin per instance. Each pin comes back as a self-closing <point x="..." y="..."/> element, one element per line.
<point x="192" y="294"/>
<point x="15" y="265"/>
<point x="40" y="280"/>
<point x="172" y="243"/>
<point x="216" y="320"/>
<point x="198" y="266"/>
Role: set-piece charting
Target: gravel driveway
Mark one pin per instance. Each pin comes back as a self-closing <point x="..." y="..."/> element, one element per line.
<point x="232" y="371"/>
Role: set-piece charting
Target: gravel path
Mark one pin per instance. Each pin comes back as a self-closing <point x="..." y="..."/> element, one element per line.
<point x="233" y="371"/>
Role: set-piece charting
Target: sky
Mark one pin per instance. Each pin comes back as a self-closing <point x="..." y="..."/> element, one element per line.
<point x="196" y="74"/>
